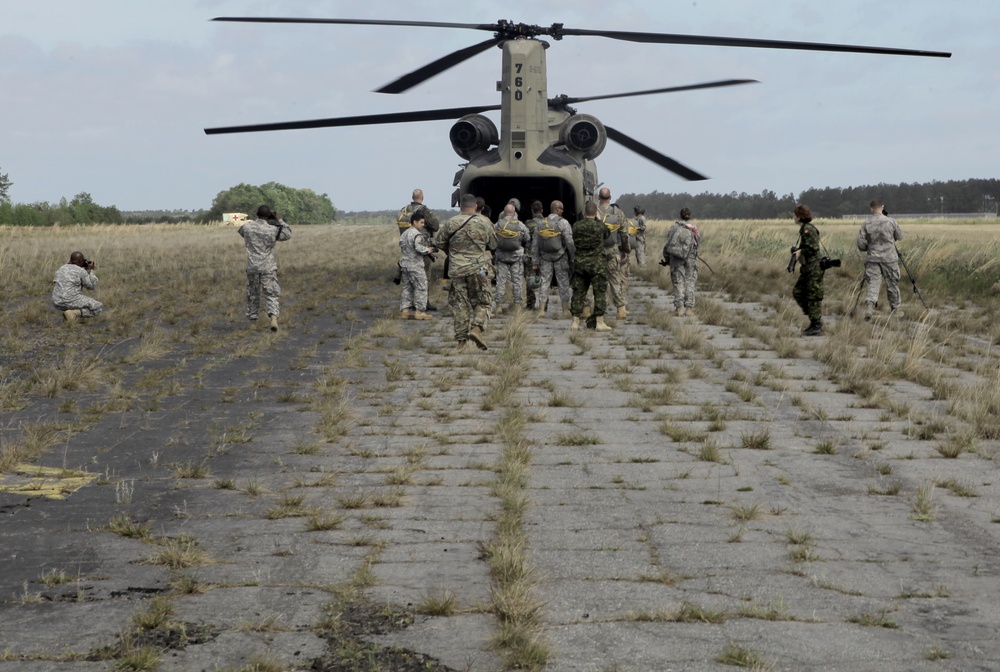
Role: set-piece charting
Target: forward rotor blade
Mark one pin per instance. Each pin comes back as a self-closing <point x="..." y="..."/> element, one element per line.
<point x="357" y="22"/>
<point x="362" y="120"/>
<point x="690" y="87"/>
<point x="715" y="41"/>
<point x="653" y="155"/>
<point x="410" y="80"/>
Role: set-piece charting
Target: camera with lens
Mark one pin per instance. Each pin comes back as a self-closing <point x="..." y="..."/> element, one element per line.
<point x="827" y="262"/>
<point x="794" y="260"/>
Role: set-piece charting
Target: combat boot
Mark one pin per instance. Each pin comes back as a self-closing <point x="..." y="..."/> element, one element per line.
<point x="586" y="312"/>
<point x="685" y="312"/>
<point x="431" y="308"/>
<point x="72" y="315"/>
<point x="274" y="322"/>
<point x="566" y="313"/>
<point x="476" y="336"/>
<point x="815" y="328"/>
<point x="421" y="316"/>
<point x="576" y="324"/>
<point x="462" y="348"/>
<point x="679" y="311"/>
<point x="406" y="314"/>
<point x="600" y="325"/>
<point x="622" y="312"/>
<point x="869" y="310"/>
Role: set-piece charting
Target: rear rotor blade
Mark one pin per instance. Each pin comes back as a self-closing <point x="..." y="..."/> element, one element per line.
<point x="362" y="120"/>
<point x="410" y="80"/>
<point x="653" y="155"/>
<point x="569" y="100"/>
<point x="716" y="41"/>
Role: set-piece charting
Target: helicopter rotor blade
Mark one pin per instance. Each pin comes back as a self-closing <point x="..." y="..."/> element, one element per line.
<point x="361" y="120"/>
<point x="409" y="80"/>
<point x="716" y="41"/>
<point x="357" y="22"/>
<point x="570" y="100"/>
<point x="653" y="155"/>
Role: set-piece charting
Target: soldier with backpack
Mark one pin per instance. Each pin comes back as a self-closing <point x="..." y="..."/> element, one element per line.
<point x="512" y="236"/>
<point x="431" y="226"/>
<point x="681" y="254"/>
<point x="552" y="250"/>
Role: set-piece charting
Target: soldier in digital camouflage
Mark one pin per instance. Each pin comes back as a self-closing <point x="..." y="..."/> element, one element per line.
<point x="877" y="237"/>
<point x="553" y="250"/>
<point x="260" y="236"/>
<point x="70" y="280"/>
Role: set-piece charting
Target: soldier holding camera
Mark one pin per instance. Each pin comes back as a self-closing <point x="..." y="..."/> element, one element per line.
<point x="260" y="237"/>
<point x="877" y="237"/>
<point x="70" y="281"/>
<point x="808" y="290"/>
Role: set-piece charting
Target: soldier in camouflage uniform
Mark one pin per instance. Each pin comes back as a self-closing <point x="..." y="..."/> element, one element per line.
<point x="431" y="226"/>
<point x="877" y="237"/>
<point x="590" y="267"/>
<point x="530" y="260"/>
<point x="512" y="237"/>
<point x="70" y="281"/>
<point x="808" y="291"/>
<point x="640" y="236"/>
<point x="413" y="249"/>
<point x="468" y="238"/>
<point x="681" y="253"/>
<point x="260" y="237"/>
<point x="553" y="250"/>
<point x="616" y="250"/>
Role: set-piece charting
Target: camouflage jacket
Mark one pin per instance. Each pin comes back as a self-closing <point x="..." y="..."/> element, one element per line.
<point x="640" y="228"/>
<point x="541" y="249"/>
<point x="512" y="249"/>
<point x="877" y="237"/>
<point x="431" y="224"/>
<point x="589" y="237"/>
<point x="70" y="281"/>
<point x="616" y="221"/>
<point x="413" y="248"/>
<point x="468" y="240"/>
<point x="260" y="238"/>
<point x="810" y="249"/>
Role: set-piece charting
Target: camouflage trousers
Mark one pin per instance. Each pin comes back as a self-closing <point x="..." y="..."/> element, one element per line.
<point x="874" y="272"/>
<point x="640" y="252"/>
<point x="684" y="277"/>
<point x="266" y="283"/>
<point x="560" y="269"/>
<point x="587" y="275"/>
<point x="618" y="274"/>
<point x="414" y="294"/>
<point x="470" y="298"/>
<point x="808" y="292"/>
<point x="512" y="272"/>
<point x="529" y="293"/>
<point x="87" y="306"/>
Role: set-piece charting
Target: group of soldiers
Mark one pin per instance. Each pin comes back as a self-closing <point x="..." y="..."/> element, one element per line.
<point x="483" y="258"/>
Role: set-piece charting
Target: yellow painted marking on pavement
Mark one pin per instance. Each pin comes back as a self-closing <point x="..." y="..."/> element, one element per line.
<point x="31" y="479"/>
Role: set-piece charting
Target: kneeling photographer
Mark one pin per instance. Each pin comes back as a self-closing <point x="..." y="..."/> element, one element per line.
<point x="808" y="291"/>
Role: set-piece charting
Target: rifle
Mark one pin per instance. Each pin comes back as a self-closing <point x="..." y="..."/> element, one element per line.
<point x="706" y="265"/>
<point x="916" y="290"/>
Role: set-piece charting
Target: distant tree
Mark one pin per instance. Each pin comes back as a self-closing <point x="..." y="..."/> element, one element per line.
<point x="298" y="206"/>
<point x="5" y="185"/>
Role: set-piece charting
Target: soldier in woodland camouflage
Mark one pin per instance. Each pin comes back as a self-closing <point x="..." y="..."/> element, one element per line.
<point x="512" y="237"/>
<point x="468" y="238"/>
<point x="553" y="250"/>
<point x="70" y="281"/>
<point x="877" y="237"/>
<point x="260" y="236"/>
<point x="681" y="253"/>
<point x="590" y="267"/>
<point x="808" y="290"/>
<point x="616" y="250"/>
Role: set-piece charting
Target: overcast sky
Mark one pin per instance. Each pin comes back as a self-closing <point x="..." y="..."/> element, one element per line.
<point x="111" y="97"/>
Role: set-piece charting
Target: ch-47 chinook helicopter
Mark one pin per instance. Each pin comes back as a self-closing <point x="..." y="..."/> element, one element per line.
<point x="543" y="149"/>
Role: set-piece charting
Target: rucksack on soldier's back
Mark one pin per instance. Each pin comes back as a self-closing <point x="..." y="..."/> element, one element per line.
<point x="679" y="242"/>
<point x="509" y="236"/>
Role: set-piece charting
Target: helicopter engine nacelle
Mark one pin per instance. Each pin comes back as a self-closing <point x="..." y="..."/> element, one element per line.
<point x="585" y="134"/>
<point x="472" y="135"/>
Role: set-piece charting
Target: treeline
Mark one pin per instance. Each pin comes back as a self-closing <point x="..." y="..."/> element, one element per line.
<point x="974" y="195"/>
<point x="80" y="210"/>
